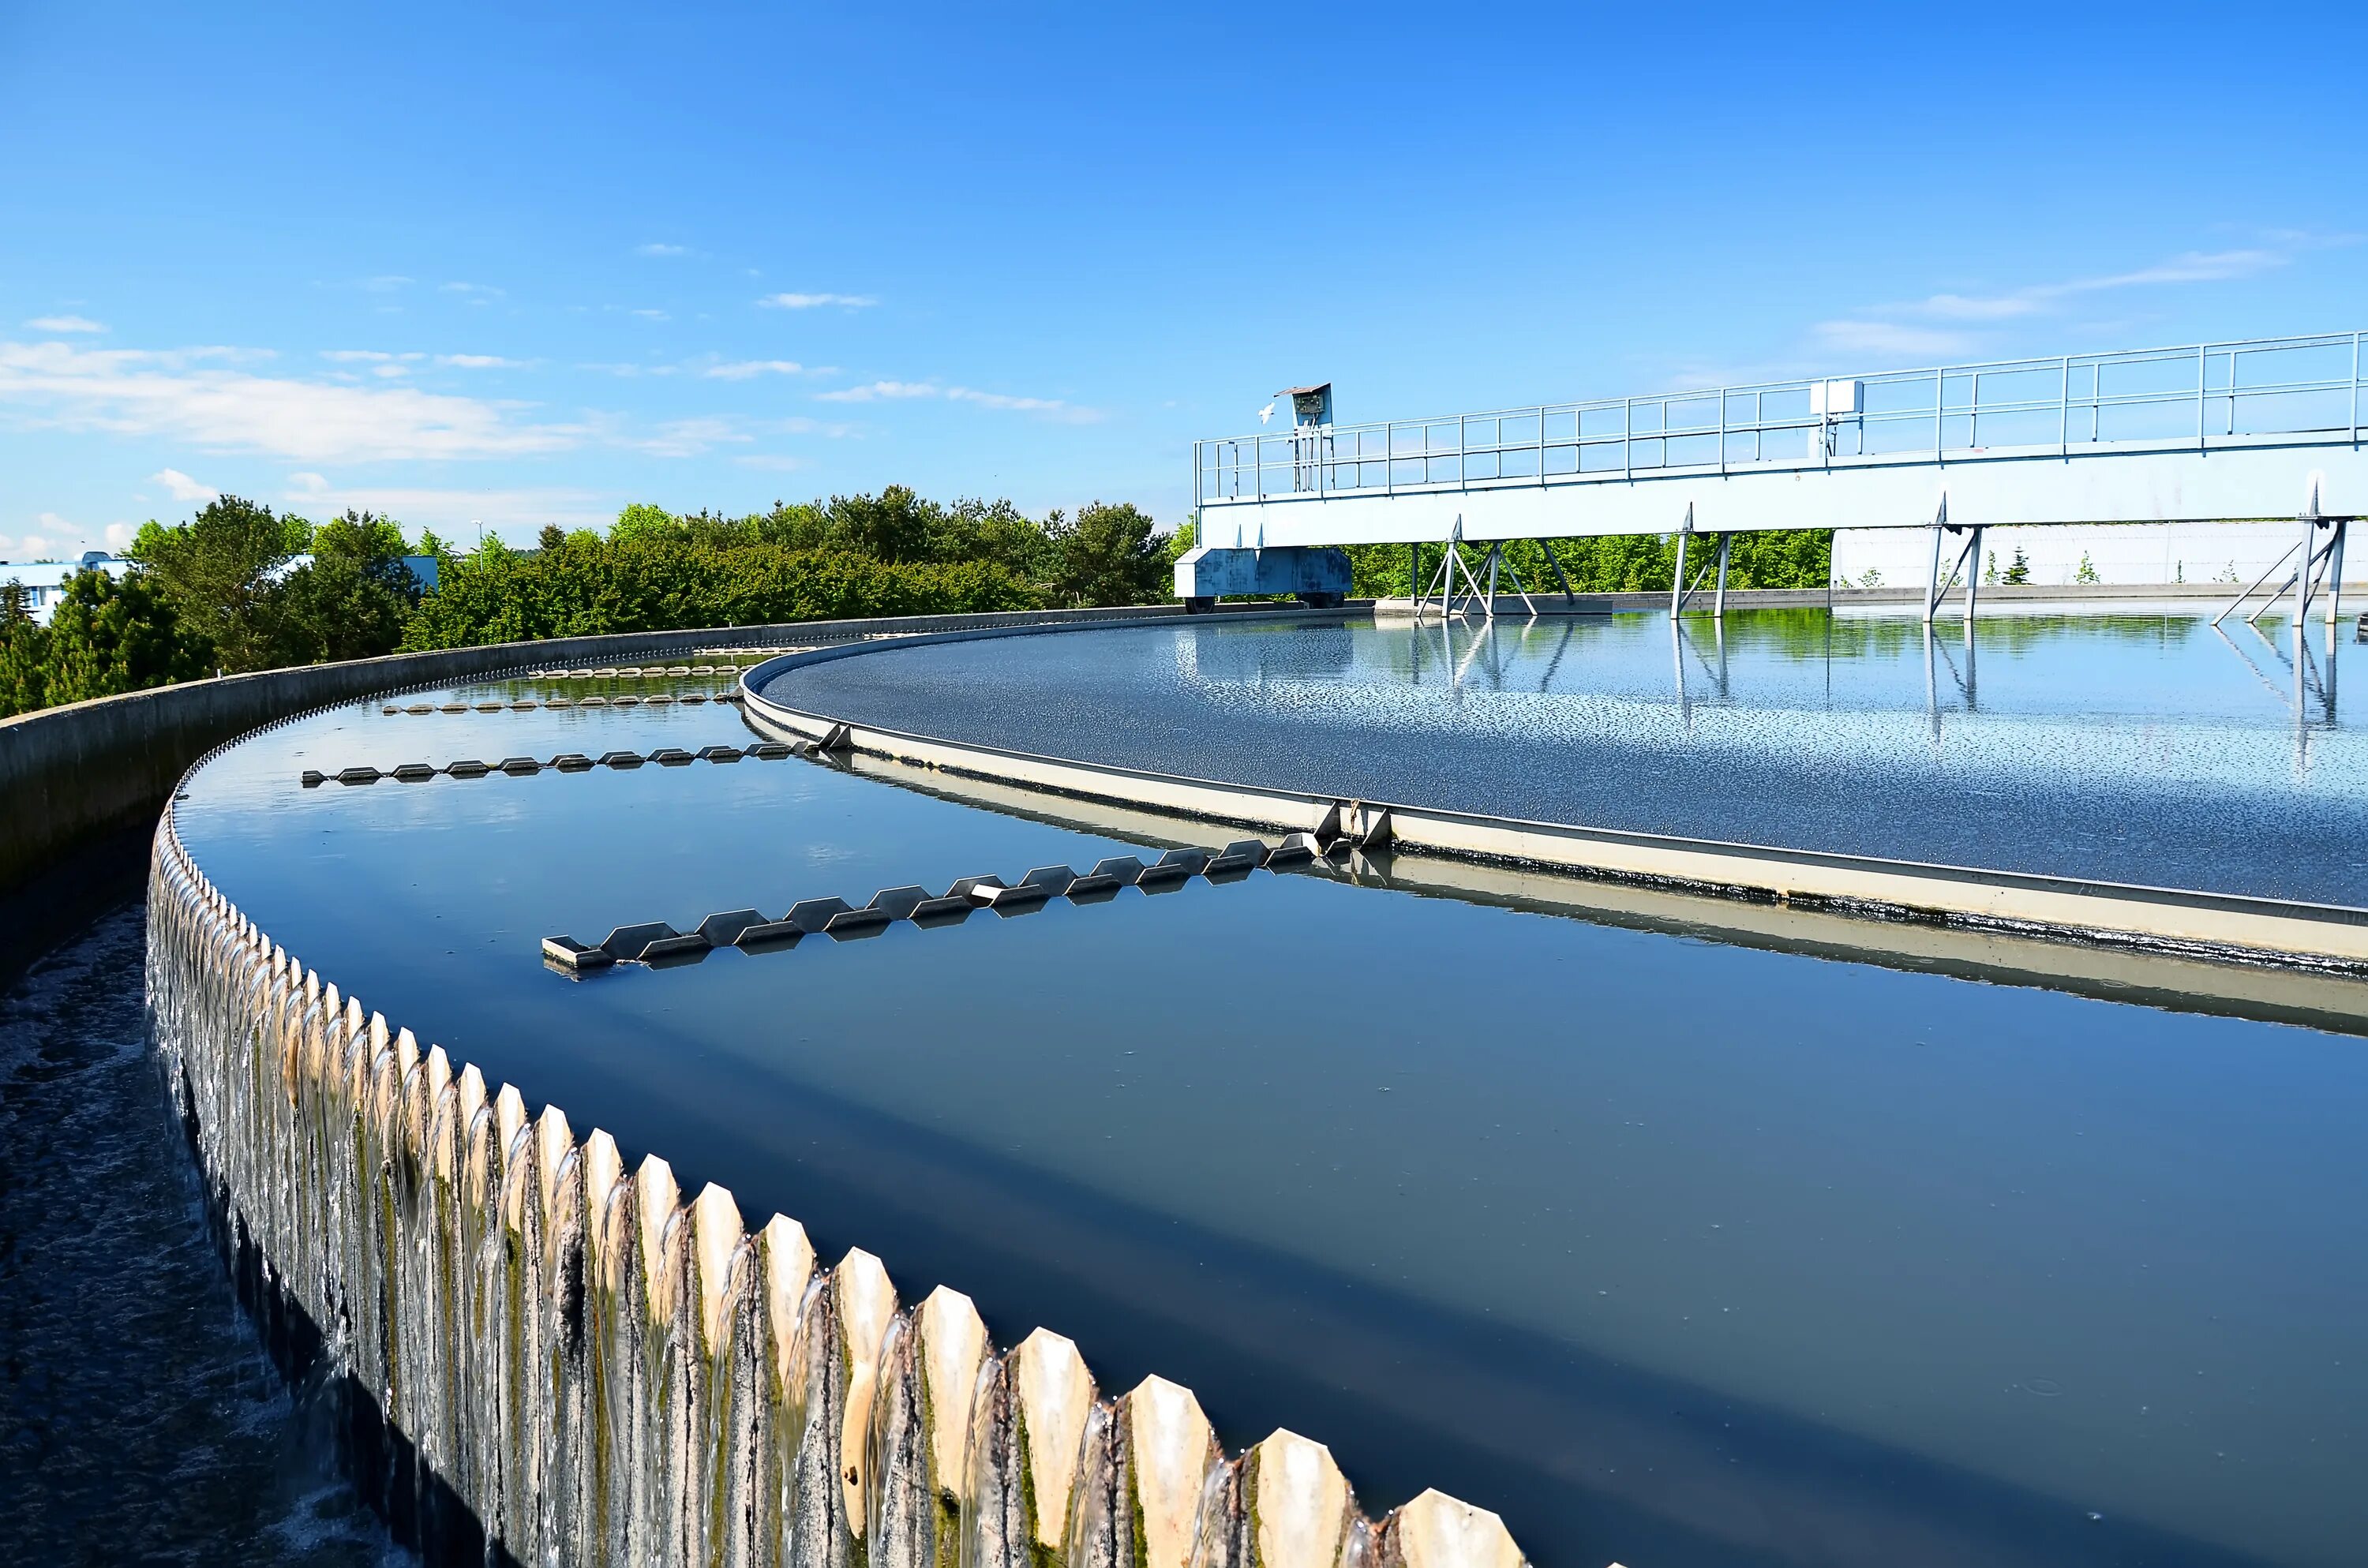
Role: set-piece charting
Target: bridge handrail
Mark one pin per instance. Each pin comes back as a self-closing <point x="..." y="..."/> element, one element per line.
<point x="1341" y="458"/>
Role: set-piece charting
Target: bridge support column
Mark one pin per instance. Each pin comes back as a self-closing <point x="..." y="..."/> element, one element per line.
<point x="1555" y="562"/>
<point x="2335" y="573"/>
<point x="1718" y="605"/>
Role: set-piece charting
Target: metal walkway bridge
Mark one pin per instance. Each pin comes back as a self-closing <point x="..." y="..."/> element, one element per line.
<point x="2206" y="432"/>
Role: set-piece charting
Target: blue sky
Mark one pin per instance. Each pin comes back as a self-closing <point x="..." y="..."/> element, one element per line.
<point x="508" y="265"/>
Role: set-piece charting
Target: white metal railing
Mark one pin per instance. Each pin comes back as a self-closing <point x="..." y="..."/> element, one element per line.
<point x="2301" y="389"/>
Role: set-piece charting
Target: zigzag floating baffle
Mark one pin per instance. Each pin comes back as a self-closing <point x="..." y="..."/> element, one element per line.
<point x="657" y="943"/>
<point x="565" y="762"/>
<point x="527" y="704"/>
<point x="587" y="1367"/>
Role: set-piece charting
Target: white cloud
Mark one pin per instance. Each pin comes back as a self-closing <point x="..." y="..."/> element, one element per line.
<point x="386" y="283"/>
<point x="875" y="390"/>
<point x="813" y="301"/>
<point x="479" y="293"/>
<point x="478" y="362"/>
<point x="655" y="248"/>
<point x="184" y="395"/>
<point x="516" y="513"/>
<point x="64" y="323"/>
<point x="119" y="536"/>
<point x="181" y="487"/>
<point x="652" y="315"/>
<point x="27" y="546"/>
<point x="367" y="356"/>
<point x="747" y="370"/>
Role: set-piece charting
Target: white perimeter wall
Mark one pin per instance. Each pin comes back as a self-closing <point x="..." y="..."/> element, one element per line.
<point x="2121" y="552"/>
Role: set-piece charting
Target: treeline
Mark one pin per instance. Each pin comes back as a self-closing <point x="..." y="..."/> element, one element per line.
<point x="239" y="587"/>
<point x="1800" y="558"/>
<point x="893" y="553"/>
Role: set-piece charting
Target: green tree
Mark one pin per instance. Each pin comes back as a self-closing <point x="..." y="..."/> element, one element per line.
<point x="350" y="600"/>
<point x="895" y="525"/>
<point x="108" y="636"/>
<point x="219" y="571"/>
<point x="24" y="651"/>
<point x="640" y="520"/>
<point x="1109" y="555"/>
<point x="2019" y="569"/>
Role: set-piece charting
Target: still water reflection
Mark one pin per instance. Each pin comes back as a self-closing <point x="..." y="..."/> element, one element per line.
<point x="2136" y="746"/>
<point x="1673" y="1252"/>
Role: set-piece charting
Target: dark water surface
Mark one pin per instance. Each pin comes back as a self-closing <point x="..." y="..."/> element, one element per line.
<point x="1672" y="1252"/>
<point x="140" y="1421"/>
<point x="2132" y="746"/>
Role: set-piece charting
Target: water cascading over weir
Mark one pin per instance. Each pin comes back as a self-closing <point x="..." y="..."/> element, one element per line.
<point x="546" y="1357"/>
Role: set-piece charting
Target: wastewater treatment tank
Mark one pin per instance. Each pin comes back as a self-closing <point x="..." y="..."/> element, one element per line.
<point x="1665" y="1228"/>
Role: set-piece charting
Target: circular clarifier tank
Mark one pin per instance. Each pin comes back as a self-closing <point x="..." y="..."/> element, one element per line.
<point x="1672" y="1247"/>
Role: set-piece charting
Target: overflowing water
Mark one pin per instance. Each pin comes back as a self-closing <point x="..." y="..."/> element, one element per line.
<point x="1666" y="1250"/>
<point x="140" y="1422"/>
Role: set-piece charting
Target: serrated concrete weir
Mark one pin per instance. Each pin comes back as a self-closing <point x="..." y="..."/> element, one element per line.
<point x="701" y="1390"/>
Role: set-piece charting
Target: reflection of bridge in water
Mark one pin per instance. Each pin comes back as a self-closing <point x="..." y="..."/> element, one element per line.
<point x="2293" y="675"/>
<point x="2202" y="433"/>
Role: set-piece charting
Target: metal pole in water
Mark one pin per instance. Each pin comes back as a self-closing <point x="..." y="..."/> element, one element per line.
<point x="1932" y="586"/>
<point x="1678" y="580"/>
<point x="1718" y="606"/>
<point x="2335" y="573"/>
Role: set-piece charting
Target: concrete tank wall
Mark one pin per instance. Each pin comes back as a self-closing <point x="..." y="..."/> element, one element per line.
<point x="80" y="785"/>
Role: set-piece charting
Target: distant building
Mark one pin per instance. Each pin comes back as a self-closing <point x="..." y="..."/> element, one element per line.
<point x="45" y="580"/>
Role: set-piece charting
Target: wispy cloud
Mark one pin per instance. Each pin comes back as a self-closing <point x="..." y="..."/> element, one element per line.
<point x="479" y="363"/>
<point x="386" y="283"/>
<point x="192" y="395"/>
<point x="653" y="315"/>
<point x="873" y="392"/>
<point x="1043" y="407"/>
<point x="1052" y="407"/>
<point x="1890" y="337"/>
<point x="687" y="438"/>
<point x="181" y="487"/>
<point x="64" y="323"/>
<point x="477" y="293"/>
<point x="816" y="301"/>
<point x="655" y="248"/>
<point x="1942" y="325"/>
<point x="748" y="370"/>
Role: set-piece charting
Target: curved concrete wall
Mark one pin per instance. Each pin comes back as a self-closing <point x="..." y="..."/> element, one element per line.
<point x="67" y="774"/>
<point x="576" y="1363"/>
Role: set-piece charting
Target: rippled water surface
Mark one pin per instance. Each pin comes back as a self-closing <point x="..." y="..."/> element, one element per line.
<point x="2138" y="747"/>
<point x="139" y="1419"/>
<point x="1673" y="1252"/>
